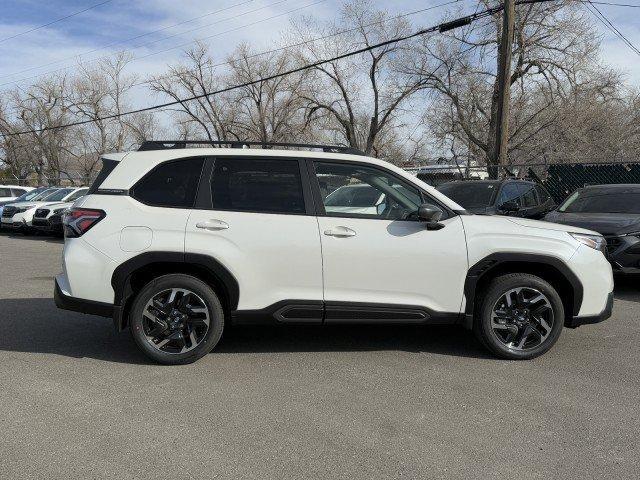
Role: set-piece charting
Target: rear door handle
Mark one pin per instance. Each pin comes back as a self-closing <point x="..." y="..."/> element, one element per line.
<point x="212" y="224"/>
<point x="340" y="232"/>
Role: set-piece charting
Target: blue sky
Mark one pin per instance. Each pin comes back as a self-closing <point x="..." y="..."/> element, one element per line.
<point x="118" y="20"/>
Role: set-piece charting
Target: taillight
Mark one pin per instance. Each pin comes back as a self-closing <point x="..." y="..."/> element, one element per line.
<point x="77" y="221"/>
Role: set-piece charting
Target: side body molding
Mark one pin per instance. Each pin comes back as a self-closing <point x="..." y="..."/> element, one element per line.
<point x="498" y="261"/>
<point x="123" y="289"/>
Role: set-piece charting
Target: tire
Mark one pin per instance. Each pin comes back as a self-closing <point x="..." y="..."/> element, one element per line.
<point x="520" y="317"/>
<point x="179" y="333"/>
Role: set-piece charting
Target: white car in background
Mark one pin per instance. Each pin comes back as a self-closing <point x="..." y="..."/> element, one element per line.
<point x="34" y="194"/>
<point x="48" y="219"/>
<point x="11" y="192"/>
<point x="19" y="216"/>
<point x="361" y="199"/>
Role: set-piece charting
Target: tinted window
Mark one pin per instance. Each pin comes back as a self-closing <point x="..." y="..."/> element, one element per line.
<point x="257" y="185"/>
<point x="354" y="190"/>
<point x="602" y="201"/>
<point x="470" y="194"/>
<point x="510" y="193"/>
<point x="171" y="184"/>
<point x="18" y="191"/>
<point x="5" y="192"/>
<point x="107" y="168"/>
<point x="528" y="195"/>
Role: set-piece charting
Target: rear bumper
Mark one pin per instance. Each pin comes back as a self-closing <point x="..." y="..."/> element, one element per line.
<point x="586" y="320"/>
<point x="67" y="302"/>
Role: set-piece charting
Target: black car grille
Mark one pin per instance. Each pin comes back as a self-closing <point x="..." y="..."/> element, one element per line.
<point x="8" y="212"/>
<point x="41" y="213"/>
<point x="613" y="243"/>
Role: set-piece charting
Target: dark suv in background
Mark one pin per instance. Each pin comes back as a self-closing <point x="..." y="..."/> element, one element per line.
<point x="518" y="198"/>
<point x="614" y="212"/>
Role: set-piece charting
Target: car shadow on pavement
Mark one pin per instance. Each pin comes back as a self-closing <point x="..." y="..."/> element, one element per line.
<point x="39" y="237"/>
<point x="627" y="287"/>
<point x="36" y="325"/>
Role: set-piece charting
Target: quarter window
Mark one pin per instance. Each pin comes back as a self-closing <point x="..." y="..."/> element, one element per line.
<point x="509" y="193"/>
<point x="360" y="191"/>
<point x="528" y="194"/>
<point x="171" y="184"/>
<point x="257" y="185"/>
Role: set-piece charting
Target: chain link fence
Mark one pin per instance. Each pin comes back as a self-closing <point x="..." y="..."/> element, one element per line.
<point x="560" y="180"/>
<point x="47" y="182"/>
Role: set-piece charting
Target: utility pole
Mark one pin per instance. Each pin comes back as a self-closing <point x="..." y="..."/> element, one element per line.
<point x="503" y="94"/>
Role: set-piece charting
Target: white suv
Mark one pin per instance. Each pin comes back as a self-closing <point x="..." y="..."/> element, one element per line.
<point x="177" y="242"/>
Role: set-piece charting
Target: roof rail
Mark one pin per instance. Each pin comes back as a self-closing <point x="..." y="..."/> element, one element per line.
<point x="148" y="145"/>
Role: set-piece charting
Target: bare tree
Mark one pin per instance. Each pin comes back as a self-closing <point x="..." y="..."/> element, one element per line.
<point x="213" y="115"/>
<point x="99" y="93"/>
<point x="42" y="110"/>
<point x="360" y="97"/>
<point x="270" y="110"/>
<point x="553" y="51"/>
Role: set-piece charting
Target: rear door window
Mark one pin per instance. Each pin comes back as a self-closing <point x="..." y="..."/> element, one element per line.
<point x="170" y="184"/>
<point x="257" y="185"/>
<point x="5" y="192"/>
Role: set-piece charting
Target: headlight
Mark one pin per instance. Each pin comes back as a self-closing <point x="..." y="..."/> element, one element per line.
<point x="594" y="241"/>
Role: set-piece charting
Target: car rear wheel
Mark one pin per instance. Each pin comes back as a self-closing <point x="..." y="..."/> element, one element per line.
<point x="176" y="319"/>
<point x="521" y="317"/>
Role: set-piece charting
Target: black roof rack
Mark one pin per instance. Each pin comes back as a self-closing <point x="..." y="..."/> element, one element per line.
<point x="171" y="144"/>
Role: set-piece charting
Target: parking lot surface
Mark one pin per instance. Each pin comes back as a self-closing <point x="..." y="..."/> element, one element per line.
<point x="79" y="401"/>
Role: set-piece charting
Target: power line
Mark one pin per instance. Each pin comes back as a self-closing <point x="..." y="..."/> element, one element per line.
<point x="306" y="42"/>
<point x="613" y="4"/>
<point x="192" y="41"/>
<point x="55" y="21"/>
<point x="313" y="40"/>
<point x="442" y="27"/>
<point x="450" y="2"/>
<point x="607" y="23"/>
<point x="123" y="42"/>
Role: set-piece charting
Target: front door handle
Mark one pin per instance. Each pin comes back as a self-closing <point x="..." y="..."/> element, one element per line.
<point x="213" y="224"/>
<point x="340" y="232"/>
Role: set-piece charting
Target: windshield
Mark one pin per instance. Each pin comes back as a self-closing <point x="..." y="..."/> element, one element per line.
<point x="602" y="201"/>
<point x="58" y="195"/>
<point x="30" y="195"/>
<point x="470" y="194"/>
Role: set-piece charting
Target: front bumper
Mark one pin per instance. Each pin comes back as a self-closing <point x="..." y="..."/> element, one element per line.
<point x="624" y="253"/>
<point x="51" y="224"/>
<point x="586" y="320"/>
<point x="67" y="302"/>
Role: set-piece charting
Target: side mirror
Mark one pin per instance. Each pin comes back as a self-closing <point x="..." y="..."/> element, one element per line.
<point x="431" y="215"/>
<point x="509" y="207"/>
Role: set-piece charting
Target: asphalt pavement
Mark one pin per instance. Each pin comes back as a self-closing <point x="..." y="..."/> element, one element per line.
<point x="77" y="400"/>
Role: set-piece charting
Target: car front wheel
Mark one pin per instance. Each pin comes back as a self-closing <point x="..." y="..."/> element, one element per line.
<point x="521" y="316"/>
<point x="176" y="319"/>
